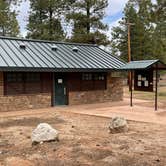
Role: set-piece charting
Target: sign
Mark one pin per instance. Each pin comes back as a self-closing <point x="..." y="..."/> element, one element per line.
<point x="143" y="80"/>
<point x="60" y="81"/>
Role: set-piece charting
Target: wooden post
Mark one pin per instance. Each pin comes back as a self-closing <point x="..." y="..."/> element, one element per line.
<point x="53" y="89"/>
<point x="129" y="55"/>
<point x="156" y="88"/>
<point x="129" y="43"/>
<point x="131" y="89"/>
<point x="129" y="50"/>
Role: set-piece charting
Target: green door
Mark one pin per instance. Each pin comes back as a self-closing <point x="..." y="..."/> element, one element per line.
<point x="60" y="90"/>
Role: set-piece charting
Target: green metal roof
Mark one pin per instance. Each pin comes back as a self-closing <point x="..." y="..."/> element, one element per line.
<point x="142" y="64"/>
<point x="39" y="56"/>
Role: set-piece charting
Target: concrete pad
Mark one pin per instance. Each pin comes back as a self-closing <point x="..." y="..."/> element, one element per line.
<point x="139" y="112"/>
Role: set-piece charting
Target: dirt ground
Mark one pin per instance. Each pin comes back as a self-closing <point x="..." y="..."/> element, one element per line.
<point x="84" y="141"/>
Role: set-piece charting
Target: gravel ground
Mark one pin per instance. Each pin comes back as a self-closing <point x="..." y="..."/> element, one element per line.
<point x="84" y="141"/>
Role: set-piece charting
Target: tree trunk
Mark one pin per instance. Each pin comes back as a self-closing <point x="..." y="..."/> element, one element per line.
<point x="50" y="22"/>
<point x="88" y="18"/>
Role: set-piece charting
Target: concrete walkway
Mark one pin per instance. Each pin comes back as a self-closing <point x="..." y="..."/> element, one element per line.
<point x="139" y="112"/>
<point x="136" y="113"/>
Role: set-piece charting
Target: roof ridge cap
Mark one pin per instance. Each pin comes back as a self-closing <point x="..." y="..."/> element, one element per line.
<point x="47" y="41"/>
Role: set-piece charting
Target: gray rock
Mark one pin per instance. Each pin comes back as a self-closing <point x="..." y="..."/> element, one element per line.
<point x="44" y="133"/>
<point x="112" y="160"/>
<point x="118" y="125"/>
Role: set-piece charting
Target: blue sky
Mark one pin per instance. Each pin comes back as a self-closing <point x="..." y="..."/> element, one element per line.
<point x="113" y="14"/>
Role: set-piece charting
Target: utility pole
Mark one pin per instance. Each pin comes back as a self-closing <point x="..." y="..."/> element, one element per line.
<point x="129" y="40"/>
<point x="129" y="51"/>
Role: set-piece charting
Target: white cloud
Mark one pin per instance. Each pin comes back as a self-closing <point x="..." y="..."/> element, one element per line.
<point x="154" y="1"/>
<point x="23" y="15"/>
<point x="115" y="6"/>
<point x="111" y="25"/>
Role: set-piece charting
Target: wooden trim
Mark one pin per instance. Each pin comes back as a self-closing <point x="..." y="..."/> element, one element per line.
<point x="24" y="82"/>
<point x="4" y="84"/>
<point x="67" y="89"/>
<point x="41" y="82"/>
<point x="106" y="79"/>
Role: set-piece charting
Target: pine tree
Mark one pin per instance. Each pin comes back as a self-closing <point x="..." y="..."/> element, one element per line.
<point x="8" y="22"/>
<point x="87" y="16"/>
<point x="45" y="20"/>
<point x="139" y="13"/>
<point x="159" y="36"/>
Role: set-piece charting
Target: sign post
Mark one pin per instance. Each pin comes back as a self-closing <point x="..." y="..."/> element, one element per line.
<point x="156" y="88"/>
<point x="143" y="81"/>
<point x="131" y="89"/>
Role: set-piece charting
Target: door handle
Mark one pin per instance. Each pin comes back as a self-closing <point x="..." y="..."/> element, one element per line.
<point x="64" y="91"/>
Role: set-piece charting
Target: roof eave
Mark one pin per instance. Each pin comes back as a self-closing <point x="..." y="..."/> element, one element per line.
<point x="151" y="65"/>
<point x="32" y="69"/>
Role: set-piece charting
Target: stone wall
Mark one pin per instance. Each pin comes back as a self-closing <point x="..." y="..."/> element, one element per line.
<point x="22" y="102"/>
<point x="114" y="92"/>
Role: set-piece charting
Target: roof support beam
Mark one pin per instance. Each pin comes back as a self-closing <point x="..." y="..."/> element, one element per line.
<point x="131" y="88"/>
<point x="156" y="88"/>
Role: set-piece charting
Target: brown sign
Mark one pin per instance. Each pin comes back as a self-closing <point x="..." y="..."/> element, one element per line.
<point x="143" y="80"/>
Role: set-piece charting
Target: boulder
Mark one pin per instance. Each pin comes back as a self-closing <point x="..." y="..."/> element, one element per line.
<point x="118" y="125"/>
<point x="44" y="133"/>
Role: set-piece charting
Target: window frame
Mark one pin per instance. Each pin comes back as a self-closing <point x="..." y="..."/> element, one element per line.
<point x="10" y="77"/>
<point x="87" y="77"/>
<point x="94" y="81"/>
<point x="24" y="83"/>
<point x="32" y="78"/>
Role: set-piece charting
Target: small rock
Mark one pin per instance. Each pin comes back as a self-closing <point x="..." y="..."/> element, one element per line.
<point x="112" y="160"/>
<point x="158" y="160"/>
<point x="118" y="125"/>
<point x="44" y="133"/>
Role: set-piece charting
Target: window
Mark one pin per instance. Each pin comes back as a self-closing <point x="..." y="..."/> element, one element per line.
<point x="32" y="83"/>
<point x="88" y="81"/>
<point x="27" y="83"/>
<point x="95" y="76"/>
<point x="13" y="83"/>
<point x="99" y="77"/>
<point x="87" y="76"/>
<point x="14" y="77"/>
<point x="33" y="77"/>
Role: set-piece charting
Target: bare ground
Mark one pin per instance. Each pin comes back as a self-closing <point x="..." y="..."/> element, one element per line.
<point x="84" y="141"/>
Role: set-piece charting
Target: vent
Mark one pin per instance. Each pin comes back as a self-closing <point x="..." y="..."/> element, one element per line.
<point x="75" y="49"/>
<point x="22" y="46"/>
<point x="54" y="47"/>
